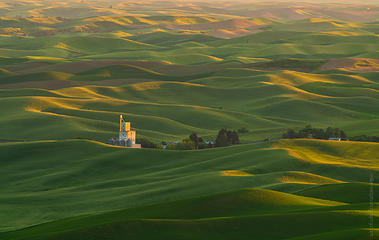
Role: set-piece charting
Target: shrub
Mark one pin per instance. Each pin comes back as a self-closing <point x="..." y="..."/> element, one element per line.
<point x="146" y="143"/>
<point x="185" y="144"/>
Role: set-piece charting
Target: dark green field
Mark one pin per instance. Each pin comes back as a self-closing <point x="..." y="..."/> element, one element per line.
<point x="69" y="69"/>
<point x="240" y="191"/>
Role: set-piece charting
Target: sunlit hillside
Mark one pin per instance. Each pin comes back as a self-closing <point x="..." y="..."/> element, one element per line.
<point x="69" y="69"/>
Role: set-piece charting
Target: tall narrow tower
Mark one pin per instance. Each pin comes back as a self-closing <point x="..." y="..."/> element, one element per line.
<point x="126" y="135"/>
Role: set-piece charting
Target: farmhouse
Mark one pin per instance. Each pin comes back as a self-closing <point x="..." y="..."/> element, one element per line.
<point x="126" y="137"/>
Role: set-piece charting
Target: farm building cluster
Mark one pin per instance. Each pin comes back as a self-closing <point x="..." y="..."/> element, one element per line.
<point x="126" y="137"/>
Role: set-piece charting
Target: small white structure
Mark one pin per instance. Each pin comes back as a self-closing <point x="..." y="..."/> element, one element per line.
<point x="335" y="139"/>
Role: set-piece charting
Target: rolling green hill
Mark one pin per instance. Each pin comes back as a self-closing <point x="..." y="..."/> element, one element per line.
<point x="265" y="102"/>
<point x="119" y="71"/>
<point x="93" y="175"/>
<point x="68" y="69"/>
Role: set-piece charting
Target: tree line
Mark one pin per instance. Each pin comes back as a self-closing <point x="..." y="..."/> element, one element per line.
<point x="328" y="133"/>
<point x="227" y="137"/>
<point x="365" y="138"/>
<point x="224" y="138"/>
<point x="316" y="133"/>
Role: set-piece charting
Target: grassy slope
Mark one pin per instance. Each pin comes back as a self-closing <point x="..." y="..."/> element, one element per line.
<point x="99" y="178"/>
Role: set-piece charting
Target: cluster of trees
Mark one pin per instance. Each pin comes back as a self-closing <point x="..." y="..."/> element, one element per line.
<point x="185" y="144"/>
<point x="224" y="138"/>
<point x="191" y="143"/>
<point x="316" y="133"/>
<point x="230" y="137"/>
<point x="364" y="138"/>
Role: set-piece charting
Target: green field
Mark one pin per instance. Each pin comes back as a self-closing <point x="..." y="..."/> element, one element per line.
<point x="255" y="185"/>
<point x="69" y="69"/>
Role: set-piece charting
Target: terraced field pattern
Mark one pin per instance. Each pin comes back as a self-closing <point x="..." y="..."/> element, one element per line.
<point x="68" y="69"/>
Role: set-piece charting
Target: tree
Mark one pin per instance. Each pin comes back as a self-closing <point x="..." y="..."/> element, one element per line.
<point x="318" y="133"/>
<point x="193" y="137"/>
<point x="235" y="139"/>
<point x="308" y="129"/>
<point x="343" y="135"/>
<point x="229" y="135"/>
<point x="329" y="133"/>
<point x="305" y="132"/>
<point x="290" y="134"/>
<point x="222" y="138"/>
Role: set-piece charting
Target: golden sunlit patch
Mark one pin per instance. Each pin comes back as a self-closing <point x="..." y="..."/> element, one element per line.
<point x="3" y="5"/>
<point x="46" y="28"/>
<point x="12" y="31"/>
<point x="157" y="85"/>
<point x="343" y="33"/>
<point x="63" y="46"/>
<point x="344" y="25"/>
<point x="147" y="21"/>
<point x="185" y="20"/>
<point x="298" y="78"/>
<point x="115" y="19"/>
<point x="9" y="19"/>
<point x="232" y="32"/>
<point x="146" y="86"/>
<point x="166" y="62"/>
<point x="347" y="154"/>
<point x="44" y="20"/>
<point x="122" y="34"/>
<point x="79" y="92"/>
<point x="159" y="30"/>
<point x="36" y="12"/>
<point x="191" y="32"/>
<point x="302" y="12"/>
<point x="317" y="20"/>
<point x="215" y="58"/>
<point x="235" y="173"/>
<point x="306" y="178"/>
<point x="292" y="79"/>
<point x="252" y="58"/>
<point x="44" y="58"/>
<point x="334" y="23"/>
